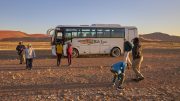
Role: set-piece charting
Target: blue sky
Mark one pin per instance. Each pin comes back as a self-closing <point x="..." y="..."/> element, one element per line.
<point x="36" y="16"/>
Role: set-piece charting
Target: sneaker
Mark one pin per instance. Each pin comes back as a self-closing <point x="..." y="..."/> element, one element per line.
<point x="142" y="78"/>
<point x="138" y="79"/>
<point x="120" y="88"/>
<point x="113" y="85"/>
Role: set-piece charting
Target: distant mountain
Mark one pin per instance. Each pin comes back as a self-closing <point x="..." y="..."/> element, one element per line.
<point x="6" y="35"/>
<point x="158" y="36"/>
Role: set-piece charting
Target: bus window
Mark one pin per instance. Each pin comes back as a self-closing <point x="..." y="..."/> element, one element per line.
<point x="85" y="34"/>
<point x="80" y="34"/>
<point x="93" y="30"/>
<point x="85" y="30"/>
<point x="117" y="33"/>
<point x="68" y="36"/>
<point x="59" y="35"/>
<point x="107" y="33"/>
<point x="70" y="29"/>
<point x="99" y="33"/>
<point x="93" y="34"/>
<point x="74" y="34"/>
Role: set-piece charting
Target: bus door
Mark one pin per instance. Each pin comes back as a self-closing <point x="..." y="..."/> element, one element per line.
<point x="51" y="32"/>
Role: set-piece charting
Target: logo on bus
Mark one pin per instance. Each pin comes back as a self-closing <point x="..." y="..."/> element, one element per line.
<point x="91" y="41"/>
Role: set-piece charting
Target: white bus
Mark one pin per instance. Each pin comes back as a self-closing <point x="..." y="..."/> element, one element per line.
<point x="93" y="39"/>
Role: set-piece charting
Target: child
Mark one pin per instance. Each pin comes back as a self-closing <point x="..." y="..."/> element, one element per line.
<point x="118" y="69"/>
<point x="69" y="53"/>
<point x="29" y="54"/>
<point x="59" y="51"/>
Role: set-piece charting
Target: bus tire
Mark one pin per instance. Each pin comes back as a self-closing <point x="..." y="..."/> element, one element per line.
<point x="75" y="53"/>
<point x="115" y="52"/>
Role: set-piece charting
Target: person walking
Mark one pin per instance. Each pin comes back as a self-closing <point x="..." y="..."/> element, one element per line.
<point x="137" y="59"/>
<point x="127" y="49"/>
<point x="59" y="51"/>
<point x="69" y="53"/>
<point x="30" y="55"/>
<point x="20" y="51"/>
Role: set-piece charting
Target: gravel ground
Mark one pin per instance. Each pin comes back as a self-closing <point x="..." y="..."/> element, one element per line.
<point x="89" y="78"/>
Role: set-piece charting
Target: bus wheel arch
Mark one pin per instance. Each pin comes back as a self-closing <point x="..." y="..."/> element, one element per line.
<point x="115" y="52"/>
<point x="75" y="53"/>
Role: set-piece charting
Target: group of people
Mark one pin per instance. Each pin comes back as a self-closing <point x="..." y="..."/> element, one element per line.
<point x="26" y="54"/>
<point x="59" y="52"/>
<point x="118" y="69"/>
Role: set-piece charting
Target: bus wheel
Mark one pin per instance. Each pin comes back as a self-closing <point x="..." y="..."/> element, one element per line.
<point x="115" y="52"/>
<point x="75" y="53"/>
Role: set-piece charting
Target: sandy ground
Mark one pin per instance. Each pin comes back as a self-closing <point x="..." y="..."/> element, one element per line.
<point x="89" y="78"/>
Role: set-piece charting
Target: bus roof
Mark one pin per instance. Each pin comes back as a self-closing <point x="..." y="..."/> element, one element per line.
<point x="95" y="26"/>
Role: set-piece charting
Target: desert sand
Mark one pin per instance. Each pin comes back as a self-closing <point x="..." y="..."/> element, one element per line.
<point x="89" y="78"/>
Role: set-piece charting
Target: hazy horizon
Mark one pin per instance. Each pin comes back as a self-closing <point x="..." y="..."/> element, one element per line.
<point x="37" y="16"/>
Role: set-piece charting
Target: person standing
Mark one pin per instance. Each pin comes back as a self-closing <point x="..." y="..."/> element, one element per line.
<point x="20" y="51"/>
<point x="30" y="55"/>
<point x="69" y="53"/>
<point x="137" y="59"/>
<point x="127" y="49"/>
<point x="59" y="51"/>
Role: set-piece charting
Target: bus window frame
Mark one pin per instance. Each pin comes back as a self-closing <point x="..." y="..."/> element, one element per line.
<point x="120" y="33"/>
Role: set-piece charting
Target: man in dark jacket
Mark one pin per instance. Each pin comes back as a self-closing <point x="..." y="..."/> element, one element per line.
<point x="137" y="59"/>
<point x="20" y="50"/>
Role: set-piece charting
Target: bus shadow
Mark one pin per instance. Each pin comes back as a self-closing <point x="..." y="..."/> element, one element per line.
<point x="23" y="67"/>
<point x="54" y="86"/>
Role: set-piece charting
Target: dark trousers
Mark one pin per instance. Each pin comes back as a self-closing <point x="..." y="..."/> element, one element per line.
<point x="21" y="58"/>
<point x="69" y="59"/>
<point x="29" y="63"/>
<point x="120" y="77"/>
<point x="59" y="59"/>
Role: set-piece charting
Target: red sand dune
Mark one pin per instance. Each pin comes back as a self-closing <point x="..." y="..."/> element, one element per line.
<point x="18" y="34"/>
<point x="12" y="34"/>
<point x="38" y="35"/>
<point x="7" y="35"/>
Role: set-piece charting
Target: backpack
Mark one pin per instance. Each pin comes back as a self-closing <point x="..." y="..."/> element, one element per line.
<point x="128" y="46"/>
<point x="59" y="49"/>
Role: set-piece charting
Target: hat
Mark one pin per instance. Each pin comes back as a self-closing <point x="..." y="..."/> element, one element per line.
<point x="29" y="44"/>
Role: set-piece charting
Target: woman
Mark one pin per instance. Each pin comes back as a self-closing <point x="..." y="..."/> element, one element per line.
<point x="29" y="54"/>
